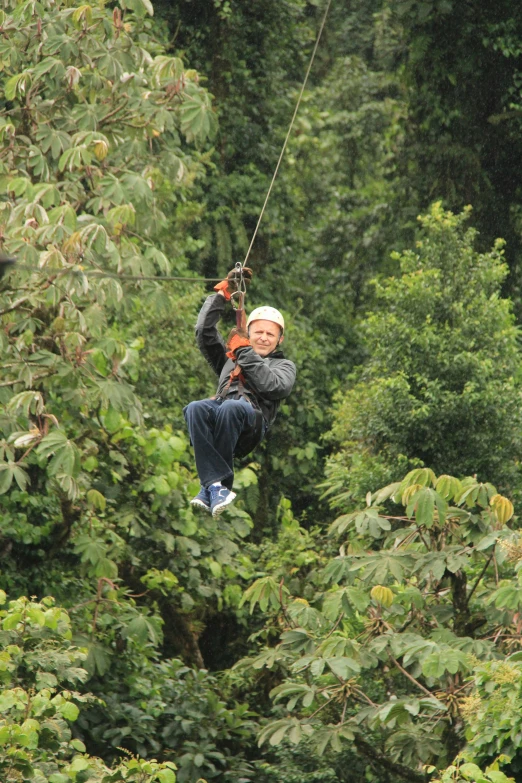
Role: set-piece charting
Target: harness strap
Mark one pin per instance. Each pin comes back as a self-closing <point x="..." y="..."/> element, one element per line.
<point x="242" y="389"/>
<point x="236" y="373"/>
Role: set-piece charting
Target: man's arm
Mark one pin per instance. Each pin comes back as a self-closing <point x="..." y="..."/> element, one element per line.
<point x="208" y="338"/>
<point x="272" y="382"/>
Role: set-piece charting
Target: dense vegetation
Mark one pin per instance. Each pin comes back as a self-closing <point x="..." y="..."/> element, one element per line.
<point x="355" y="616"/>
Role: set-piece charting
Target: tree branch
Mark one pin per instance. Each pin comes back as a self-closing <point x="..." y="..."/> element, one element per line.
<point x="480" y="576"/>
<point x="410" y="677"/>
<point x="34" y="378"/>
<point x="16" y="305"/>
<point x="113" y="112"/>
<point x="404" y="773"/>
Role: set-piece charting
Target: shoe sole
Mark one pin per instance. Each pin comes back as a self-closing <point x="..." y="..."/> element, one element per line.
<point x="219" y="507"/>
<point x="200" y="504"/>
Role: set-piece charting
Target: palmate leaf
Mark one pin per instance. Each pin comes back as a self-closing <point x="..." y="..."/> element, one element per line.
<point x="386" y="492"/>
<point x="333" y="736"/>
<point x="166" y="69"/>
<point x="448" y="487"/>
<point x="423" y="476"/>
<point x="414" y="649"/>
<point x="117" y="395"/>
<point x="396" y="713"/>
<point x="141" y="629"/>
<point x="140" y="7"/>
<point x="370" y="522"/>
<point x="507" y="596"/>
<point x="338" y="646"/>
<point x="342" y="666"/>
<point x="277" y="730"/>
<point x="340" y="524"/>
<point x="305" y="615"/>
<point x="298" y="639"/>
<point x="197" y="117"/>
<point x="50" y="138"/>
<point x="378" y="567"/>
<point x="475" y="493"/>
<point x="339" y="569"/>
<point x="423" y="504"/>
<point x="265" y="592"/>
<point x="69" y="485"/>
<point x="75" y="158"/>
<point x="445" y="659"/>
<point x="412" y="742"/>
<point x="10" y="471"/>
<point x="17" y="85"/>
<point x="65" y="454"/>
<point x="347" y="600"/>
<point x="295" y="691"/>
<point x="27" y="402"/>
<point x="91" y="550"/>
<point x="433" y="563"/>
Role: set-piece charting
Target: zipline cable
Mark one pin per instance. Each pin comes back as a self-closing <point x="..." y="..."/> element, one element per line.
<point x="114" y="275"/>
<point x="321" y="28"/>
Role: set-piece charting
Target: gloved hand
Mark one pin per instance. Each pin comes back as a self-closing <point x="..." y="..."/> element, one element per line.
<point x="230" y="284"/>
<point x="238" y="338"/>
<point x="5" y="263"/>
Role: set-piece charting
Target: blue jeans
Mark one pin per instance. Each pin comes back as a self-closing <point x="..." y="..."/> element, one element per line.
<point x="214" y="427"/>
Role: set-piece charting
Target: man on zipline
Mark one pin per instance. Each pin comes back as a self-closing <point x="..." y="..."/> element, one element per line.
<point x="254" y="377"/>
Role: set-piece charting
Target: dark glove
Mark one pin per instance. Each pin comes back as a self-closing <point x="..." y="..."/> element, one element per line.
<point x="5" y="263"/>
<point x="238" y="338"/>
<point x="231" y="283"/>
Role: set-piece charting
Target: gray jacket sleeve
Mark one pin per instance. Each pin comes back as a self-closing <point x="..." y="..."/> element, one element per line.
<point x="208" y="338"/>
<point x="272" y="380"/>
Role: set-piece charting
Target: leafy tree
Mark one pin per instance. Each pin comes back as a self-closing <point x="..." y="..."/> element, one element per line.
<point x="462" y="73"/>
<point x="107" y="167"/>
<point x="41" y="668"/>
<point x="377" y="647"/>
<point x="443" y="357"/>
<point x="76" y="199"/>
<point x="96" y="175"/>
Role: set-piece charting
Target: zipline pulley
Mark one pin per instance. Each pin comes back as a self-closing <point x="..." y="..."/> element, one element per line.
<point x="237" y="298"/>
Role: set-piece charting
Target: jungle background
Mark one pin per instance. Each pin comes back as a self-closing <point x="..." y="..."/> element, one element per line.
<point x="356" y="615"/>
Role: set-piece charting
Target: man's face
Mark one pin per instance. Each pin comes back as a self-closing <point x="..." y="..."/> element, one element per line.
<point x="264" y="336"/>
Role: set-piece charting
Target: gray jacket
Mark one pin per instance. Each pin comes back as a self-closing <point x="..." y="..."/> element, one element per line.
<point x="267" y="380"/>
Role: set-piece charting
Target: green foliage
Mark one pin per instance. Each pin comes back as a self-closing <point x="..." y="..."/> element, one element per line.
<point x="39" y="666"/>
<point x="443" y="355"/>
<point x="165" y="709"/>
<point x="76" y="198"/>
<point x="463" y="770"/>
<point x="97" y="176"/>
<point x="462" y="73"/>
<point x="385" y="653"/>
<point x="396" y="628"/>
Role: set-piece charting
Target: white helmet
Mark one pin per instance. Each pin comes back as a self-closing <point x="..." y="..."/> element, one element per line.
<point x="267" y="314"/>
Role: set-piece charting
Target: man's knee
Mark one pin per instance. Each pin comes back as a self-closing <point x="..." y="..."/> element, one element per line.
<point x="194" y="409"/>
<point x="237" y="409"/>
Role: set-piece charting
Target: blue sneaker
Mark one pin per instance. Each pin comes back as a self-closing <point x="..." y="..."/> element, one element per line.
<point x="202" y="500"/>
<point x="220" y="497"/>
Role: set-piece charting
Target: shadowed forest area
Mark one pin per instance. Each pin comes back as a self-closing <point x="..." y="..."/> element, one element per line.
<point x="356" y="615"/>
